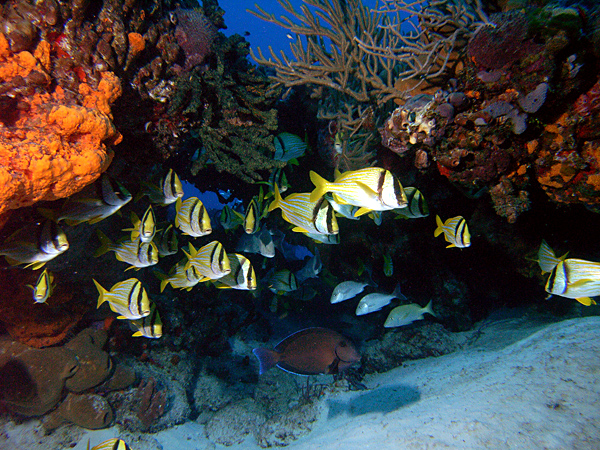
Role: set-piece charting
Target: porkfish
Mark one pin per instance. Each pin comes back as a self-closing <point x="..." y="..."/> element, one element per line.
<point x="575" y="278"/>
<point x="311" y="351"/>
<point x="308" y="217"/>
<point x="371" y="189"/>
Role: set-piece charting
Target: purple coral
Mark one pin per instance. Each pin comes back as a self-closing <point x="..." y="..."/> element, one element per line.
<point x="195" y="35"/>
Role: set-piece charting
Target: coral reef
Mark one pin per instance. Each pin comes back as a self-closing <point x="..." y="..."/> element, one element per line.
<point x="151" y="402"/>
<point x="50" y="145"/>
<point x="229" y="113"/>
<point x="508" y="113"/>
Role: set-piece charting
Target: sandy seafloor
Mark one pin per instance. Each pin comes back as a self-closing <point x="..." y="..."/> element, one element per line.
<point x="516" y="384"/>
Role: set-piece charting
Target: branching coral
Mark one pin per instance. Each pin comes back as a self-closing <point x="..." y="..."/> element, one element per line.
<point x="357" y="58"/>
<point x="230" y="113"/>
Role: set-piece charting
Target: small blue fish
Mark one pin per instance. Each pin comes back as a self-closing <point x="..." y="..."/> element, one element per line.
<point x="288" y="146"/>
<point x="283" y="281"/>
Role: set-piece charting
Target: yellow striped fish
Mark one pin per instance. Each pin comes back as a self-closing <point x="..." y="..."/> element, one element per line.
<point x="136" y="253"/>
<point x="210" y="260"/>
<point x="181" y="276"/>
<point x="242" y="275"/>
<point x="309" y="217"/>
<point x="110" y="444"/>
<point x="167" y="242"/>
<point x="371" y="189"/>
<point x="127" y="298"/>
<point x="144" y="228"/>
<point x="547" y="259"/>
<point x="149" y="326"/>
<point x="251" y="218"/>
<point x="192" y="217"/>
<point x="575" y="278"/>
<point x="169" y="190"/>
<point x="43" y="287"/>
<point x="416" y="207"/>
<point x="455" y="231"/>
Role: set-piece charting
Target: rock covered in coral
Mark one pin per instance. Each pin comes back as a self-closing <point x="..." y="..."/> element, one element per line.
<point x="520" y="77"/>
<point x="95" y="364"/>
<point x="32" y="380"/>
<point x="89" y="411"/>
<point x="402" y="345"/>
<point x="50" y="146"/>
<point x="195" y="34"/>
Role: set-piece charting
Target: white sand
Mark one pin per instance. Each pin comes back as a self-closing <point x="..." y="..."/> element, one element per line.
<point x="540" y="392"/>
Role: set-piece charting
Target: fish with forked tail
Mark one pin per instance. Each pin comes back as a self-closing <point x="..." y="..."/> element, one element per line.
<point x="311" y="351"/>
<point x="34" y="245"/>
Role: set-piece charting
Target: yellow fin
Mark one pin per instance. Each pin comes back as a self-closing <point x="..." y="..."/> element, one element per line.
<point x="137" y="334"/>
<point x="439" y="230"/>
<point x="321" y="186"/>
<point x="362" y="211"/>
<point x="586" y="301"/>
<point x="300" y="230"/>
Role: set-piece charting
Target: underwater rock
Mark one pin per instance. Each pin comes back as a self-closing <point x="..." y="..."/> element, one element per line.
<point x="232" y="424"/>
<point x="282" y="430"/>
<point x="429" y="339"/>
<point x="127" y="404"/>
<point x="95" y="364"/>
<point x="121" y="378"/>
<point x="32" y="380"/>
<point x="89" y="411"/>
<point x="210" y="394"/>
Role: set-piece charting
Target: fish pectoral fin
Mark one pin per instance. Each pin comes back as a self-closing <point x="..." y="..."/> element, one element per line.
<point x="334" y="366"/>
<point x="362" y="211"/>
<point x="122" y="317"/>
<point x="300" y="230"/>
<point x="587" y="301"/>
<point x="451" y="245"/>
<point x="581" y="283"/>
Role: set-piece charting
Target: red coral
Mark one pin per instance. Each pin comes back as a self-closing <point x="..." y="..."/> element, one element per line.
<point x="494" y="48"/>
<point x="195" y="35"/>
<point x="152" y="402"/>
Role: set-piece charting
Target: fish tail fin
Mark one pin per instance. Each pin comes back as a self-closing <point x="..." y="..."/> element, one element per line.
<point x="428" y="309"/>
<point x="102" y="298"/>
<point x="276" y="203"/>
<point x="397" y="293"/>
<point x="439" y="230"/>
<point x="177" y="209"/>
<point x="105" y="244"/>
<point x="321" y="186"/>
<point x="266" y="358"/>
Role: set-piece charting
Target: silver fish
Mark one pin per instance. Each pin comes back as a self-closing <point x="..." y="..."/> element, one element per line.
<point x="34" y="245"/>
<point x="346" y="290"/>
<point x="311" y="269"/>
<point x="169" y="190"/>
<point x="406" y="314"/>
<point x="260" y="242"/>
<point x="79" y="209"/>
<point x="374" y="302"/>
<point x="283" y="281"/>
<point x="166" y="241"/>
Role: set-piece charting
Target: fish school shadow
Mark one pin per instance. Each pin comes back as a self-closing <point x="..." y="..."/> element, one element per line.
<point x="382" y="400"/>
